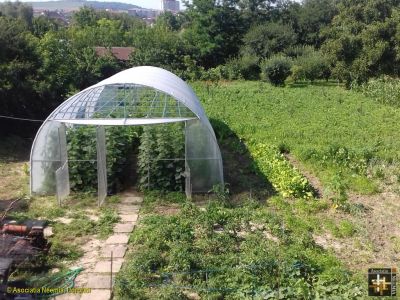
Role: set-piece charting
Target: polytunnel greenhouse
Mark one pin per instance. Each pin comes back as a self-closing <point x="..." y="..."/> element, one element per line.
<point x="140" y="96"/>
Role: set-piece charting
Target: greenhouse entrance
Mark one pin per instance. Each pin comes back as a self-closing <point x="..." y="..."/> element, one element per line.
<point x="140" y="97"/>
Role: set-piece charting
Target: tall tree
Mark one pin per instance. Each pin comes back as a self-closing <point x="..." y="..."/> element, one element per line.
<point x="214" y="31"/>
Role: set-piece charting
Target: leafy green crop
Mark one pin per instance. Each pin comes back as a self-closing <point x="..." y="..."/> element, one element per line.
<point x="161" y="162"/>
<point x="284" y="177"/>
<point x="82" y="155"/>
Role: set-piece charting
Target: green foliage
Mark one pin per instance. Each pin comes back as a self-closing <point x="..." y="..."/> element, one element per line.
<point x="285" y="179"/>
<point x="159" y="47"/>
<point x="362" y="40"/>
<point x="108" y="218"/>
<point x="82" y="155"/>
<point x="276" y="69"/>
<point x="307" y="120"/>
<point x="213" y="32"/>
<point x="228" y="253"/>
<point x="311" y="66"/>
<point x="244" y="67"/>
<point x="266" y="40"/>
<point x="18" y="10"/>
<point x="160" y="161"/>
<point x="385" y="90"/>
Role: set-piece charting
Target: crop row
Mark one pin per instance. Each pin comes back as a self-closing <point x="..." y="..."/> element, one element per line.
<point x="285" y="178"/>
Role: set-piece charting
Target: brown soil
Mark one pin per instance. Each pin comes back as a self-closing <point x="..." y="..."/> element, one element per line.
<point x="376" y="242"/>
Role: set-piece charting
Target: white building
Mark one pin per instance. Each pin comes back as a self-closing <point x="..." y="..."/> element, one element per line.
<point x="170" y="5"/>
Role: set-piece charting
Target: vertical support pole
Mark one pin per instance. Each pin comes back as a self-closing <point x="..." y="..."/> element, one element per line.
<point x="111" y="275"/>
<point x="101" y="164"/>
<point x="188" y="183"/>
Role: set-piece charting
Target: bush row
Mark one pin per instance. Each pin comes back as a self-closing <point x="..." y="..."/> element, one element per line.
<point x="286" y="179"/>
<point x="301" y="64"/>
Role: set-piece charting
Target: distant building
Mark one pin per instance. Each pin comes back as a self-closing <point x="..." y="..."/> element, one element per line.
<point x="143" y="13"/>
<point x="170" y="5"/>
<point x="120" y="53"/>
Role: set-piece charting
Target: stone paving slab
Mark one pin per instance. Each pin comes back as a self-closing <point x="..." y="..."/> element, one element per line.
<point x="117" y="250"/>
<point x="129" y="218"/>
<point x="123" y="228"/>
<point x="97" y="281"/>
<point x="105" y="266"/>
<point x="128" y="209"/>
<point x="97" y="294"/>
<point x="118" y="238"/>
<point x="131" y="200"/>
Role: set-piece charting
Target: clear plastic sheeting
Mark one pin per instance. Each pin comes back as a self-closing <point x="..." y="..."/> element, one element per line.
<point x="101" y="164"/>
<point x="62" y="174"/>
<point x="46" y="158"/>
<point x="203" y="157"/>
<point x="62" y="180"/>
<point x="137" y="96"/>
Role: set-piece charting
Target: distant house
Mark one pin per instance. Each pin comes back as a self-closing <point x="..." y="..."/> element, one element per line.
<point x="120" y="53"/>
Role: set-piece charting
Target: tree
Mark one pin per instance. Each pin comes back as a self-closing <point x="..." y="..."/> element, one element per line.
<point x="18" y="65"/>
<point x="362" y="40"/>
<point x="158" y="47"/>
<point x="18" y="10"/>
<point x="267" y="39"/>
<point x="213" y="31"/>
<point x="312" y="17"/>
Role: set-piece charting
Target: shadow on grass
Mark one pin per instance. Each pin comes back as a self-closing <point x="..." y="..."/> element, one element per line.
<point x="240" y="170"/>
<point x="14" y="148"/>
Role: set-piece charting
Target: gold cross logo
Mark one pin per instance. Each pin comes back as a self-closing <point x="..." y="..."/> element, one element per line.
<point x="380" y="285"/>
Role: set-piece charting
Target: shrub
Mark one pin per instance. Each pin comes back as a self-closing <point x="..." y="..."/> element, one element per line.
<point x="311" y="66"/>
<point x="276" y="69"/>
<point x="246" y="67"/>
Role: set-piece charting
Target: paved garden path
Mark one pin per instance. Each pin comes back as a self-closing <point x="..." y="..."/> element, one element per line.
<point x="96" y="260"/>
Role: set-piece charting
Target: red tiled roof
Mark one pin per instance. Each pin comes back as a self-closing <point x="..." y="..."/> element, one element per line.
<point x="120" y="53"/>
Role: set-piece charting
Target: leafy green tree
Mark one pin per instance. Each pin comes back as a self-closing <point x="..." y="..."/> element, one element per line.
<point x="57" y="71"/>
<point x="18" y="10"/>
<point x="158" y="47"/>
<point x="213" y="31"/>
<point x="18" y="63"/>
<point x="86" y="16"/>
<point x="171" y="21"/>
<point x="362" y="40"/>
<point x="312" y="17"/>
<point x="267" y="39"/>
<point x="43" y="24"/>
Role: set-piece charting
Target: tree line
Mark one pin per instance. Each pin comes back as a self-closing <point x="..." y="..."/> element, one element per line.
<point x="43" y="61"/>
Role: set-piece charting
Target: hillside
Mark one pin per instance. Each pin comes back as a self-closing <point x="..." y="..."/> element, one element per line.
<point x="75" y="5"/>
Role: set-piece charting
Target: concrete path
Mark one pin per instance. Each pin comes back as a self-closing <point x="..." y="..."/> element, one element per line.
<point x="97" y="254"/>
